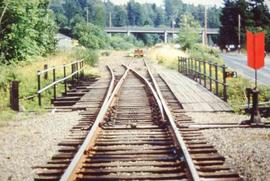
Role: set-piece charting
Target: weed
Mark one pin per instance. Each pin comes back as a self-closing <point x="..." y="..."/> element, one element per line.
<point x="26" y="71"/>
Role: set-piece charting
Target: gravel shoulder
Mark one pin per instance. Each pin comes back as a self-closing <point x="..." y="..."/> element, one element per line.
<point x="245" y="150"/>
<point x="28" y="143"/>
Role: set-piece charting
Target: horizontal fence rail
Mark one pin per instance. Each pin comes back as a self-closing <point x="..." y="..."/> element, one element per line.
<point x="211" y="75"/>
<point x="76" y="72"/>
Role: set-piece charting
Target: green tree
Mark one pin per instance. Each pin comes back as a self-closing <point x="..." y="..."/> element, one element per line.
<point x="71" y="8"/>
<point x="254" y="16"/>
<point x="90" y="35"/>
<point x="189" y="32"/>
<point x="27" y="29"/>
<point x="99" y="17"/>
<point x="120" y="16"/>
<point x="136" y="16"/>
<point x="173" y="9"/>
<point x="160" y="17"/>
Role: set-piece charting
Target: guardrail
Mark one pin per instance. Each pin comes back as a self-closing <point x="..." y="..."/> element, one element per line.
<point x="76" y="72"/>
<point x="207" y="74"/>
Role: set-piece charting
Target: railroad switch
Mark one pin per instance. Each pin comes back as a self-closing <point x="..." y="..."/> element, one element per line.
<point x="255" y="118"/>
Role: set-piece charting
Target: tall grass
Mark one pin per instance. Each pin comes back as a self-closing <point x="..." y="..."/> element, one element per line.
<point x="165" y="55"/>
<point x="25" y="73"/>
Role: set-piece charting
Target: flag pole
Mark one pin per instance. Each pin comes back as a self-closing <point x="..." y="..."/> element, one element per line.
<point x="256" y="79"/>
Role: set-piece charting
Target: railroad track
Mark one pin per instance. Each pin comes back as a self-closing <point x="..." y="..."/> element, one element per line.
<point x="138" y="135"/>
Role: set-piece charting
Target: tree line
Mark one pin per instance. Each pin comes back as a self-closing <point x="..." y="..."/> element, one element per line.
<point x="27" y="28"/>
<point x="71" y="13"/>
<point x="132" y="14"/>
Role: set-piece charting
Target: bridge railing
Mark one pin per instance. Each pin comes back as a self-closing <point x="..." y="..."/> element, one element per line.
<point x="76" y="70"/>
<point x="211" y="75"/>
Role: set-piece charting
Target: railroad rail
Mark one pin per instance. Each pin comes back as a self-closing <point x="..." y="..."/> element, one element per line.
<point x="139" y="135"/>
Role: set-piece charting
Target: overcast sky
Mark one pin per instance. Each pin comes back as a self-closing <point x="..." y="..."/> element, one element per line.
<point x="159" y="2"/>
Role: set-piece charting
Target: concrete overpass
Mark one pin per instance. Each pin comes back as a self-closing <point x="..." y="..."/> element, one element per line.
<point x="150" y="30"/>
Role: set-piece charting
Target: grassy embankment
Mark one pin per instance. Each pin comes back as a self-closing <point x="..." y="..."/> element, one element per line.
<point x="25" y="72"/>
<point x="167" y="55"/>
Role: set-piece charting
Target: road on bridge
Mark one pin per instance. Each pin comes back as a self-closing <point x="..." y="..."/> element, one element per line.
<point x="238" y="62"/>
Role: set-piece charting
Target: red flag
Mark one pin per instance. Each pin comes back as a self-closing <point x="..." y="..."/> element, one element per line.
<point x="255" y="50"/>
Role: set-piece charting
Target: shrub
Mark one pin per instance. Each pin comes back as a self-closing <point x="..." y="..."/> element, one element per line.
<point x="90" y="56"/>
<point x="124" y="42"/>
<point x="27" y="29"/>
<point x="90" y="36"/>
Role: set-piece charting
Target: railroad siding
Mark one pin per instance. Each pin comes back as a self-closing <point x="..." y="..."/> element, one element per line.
<point x="192" y="96"/>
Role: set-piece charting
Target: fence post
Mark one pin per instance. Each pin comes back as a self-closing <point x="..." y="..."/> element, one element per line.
<point x="224" y="83"/>
<point x="185" y="64"/>
<point x="204" y="73"/>
<point x="77" y="69"/>
<point x="216" y="77"/>
<point x="65" y="75"/>
<point x="54" y="86"/>
<point x="192" y="68"/>
<point x="14" y="95"/>
<point x="210" y="76"/>
<point x="200" y="73"/>
<point x="196" y="70"/>
<point x="46" y="73"/>
<point x="39" y="87"/>
<point x="72" y="70"/>
<point x="83" y="68"/>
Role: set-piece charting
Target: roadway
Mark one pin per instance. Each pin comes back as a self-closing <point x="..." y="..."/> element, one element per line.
<point x="238" y="62"/>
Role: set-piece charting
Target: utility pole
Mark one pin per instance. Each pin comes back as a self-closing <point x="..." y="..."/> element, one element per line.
<point x="173" y="26"/>
<point x="205" y="25"/>
<point x="239" y="33"/>
<point x="110" y="23"/>
<point x="87" y="15"/>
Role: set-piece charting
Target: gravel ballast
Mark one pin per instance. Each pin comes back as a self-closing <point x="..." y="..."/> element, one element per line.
<point x="246" y="149"/>
<point x="29" y="143"/>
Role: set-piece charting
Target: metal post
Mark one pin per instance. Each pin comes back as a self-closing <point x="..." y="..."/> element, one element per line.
<point x="256" y="79"/>
<point x="216" y="77"/>
<point x="224" y="83"/>
<point x="54" y="87"/>
<point x="210" y="76"/>
<point x="65" y="81"/>
<point x="39" y="87"/>
<point x="46" y="73"/>
<point x="14" y="95"/>
<point x="204" y="74"/>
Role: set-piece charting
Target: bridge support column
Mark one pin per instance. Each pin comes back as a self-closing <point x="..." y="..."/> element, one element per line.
<point x="128" y="33"/>
<point x="165" y="37"/>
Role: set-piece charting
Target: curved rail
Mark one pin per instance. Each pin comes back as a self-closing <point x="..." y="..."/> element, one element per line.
<point x="70" y="172"/>
<point x="180" y="141"/>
